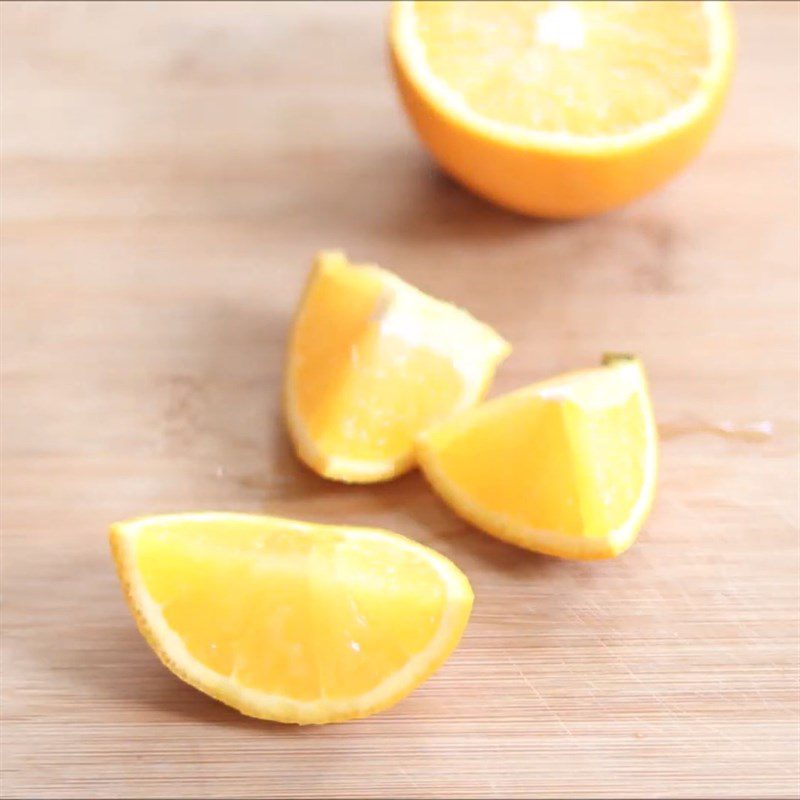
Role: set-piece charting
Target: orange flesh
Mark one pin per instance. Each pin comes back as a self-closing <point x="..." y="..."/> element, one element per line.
<point x="587" y="69"/>
<point x="317" y="615"/>
<point x="360" y="391"/>
<point x="546" y="463"/>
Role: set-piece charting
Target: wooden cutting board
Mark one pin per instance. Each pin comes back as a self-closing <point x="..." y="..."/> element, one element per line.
<point x="168" y="171"/>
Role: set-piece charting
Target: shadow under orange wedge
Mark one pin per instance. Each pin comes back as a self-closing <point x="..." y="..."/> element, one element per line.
<point x="372" y="362"/>
<point x="290" y="621"/>
<point x="565" y="467"/>
<point x="562" y="109"/>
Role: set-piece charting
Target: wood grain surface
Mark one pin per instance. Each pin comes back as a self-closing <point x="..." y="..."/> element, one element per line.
<point x="168" y="171"/>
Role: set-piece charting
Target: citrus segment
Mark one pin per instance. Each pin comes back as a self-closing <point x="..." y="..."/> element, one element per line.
<point x="372" y="362"/>
<point x="565" y="467"/>
<point x="291" y="621"/>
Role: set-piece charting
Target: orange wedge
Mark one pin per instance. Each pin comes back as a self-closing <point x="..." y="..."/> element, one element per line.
<point x="562" y="109"/>
<point x="566" y="467"/>
<point x="290" y="621"/>
<point x="374" y="361"/>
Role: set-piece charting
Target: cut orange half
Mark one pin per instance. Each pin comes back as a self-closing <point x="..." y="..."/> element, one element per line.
<point x="566" y="467"/>
<point x="374" y="361"/>
<point x="562" y="109"/>
<point x="290" y="621"/>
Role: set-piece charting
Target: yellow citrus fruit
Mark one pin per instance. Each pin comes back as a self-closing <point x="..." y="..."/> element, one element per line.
<point x="372" y="362"/>
<point x="290" y="621"/>
<point x="562" y="109"/>
<point x="565" y="467"/>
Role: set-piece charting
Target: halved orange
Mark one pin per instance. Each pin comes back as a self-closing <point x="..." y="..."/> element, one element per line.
<point x="290" y="621"/>
<point x="565" y="467"/>
<point x="562" y="109"/>
<point x="372" y="362"/>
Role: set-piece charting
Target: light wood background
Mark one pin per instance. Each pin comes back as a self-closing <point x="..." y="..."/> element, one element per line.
<point x="168" y="171"/>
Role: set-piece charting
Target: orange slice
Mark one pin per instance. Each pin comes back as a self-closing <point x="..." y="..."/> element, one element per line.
<point x="374" y="361"/>
<point x="565" y="467"/>
<point x="286" y="620"/>
<point x="562" y="109"/>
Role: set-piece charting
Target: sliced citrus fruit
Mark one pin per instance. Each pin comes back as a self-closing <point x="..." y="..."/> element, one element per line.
<point x="562" y="109"/>
<point x="290" y="621"/>
<point x="565" y="467"/>
<point x="372" y="362"/>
